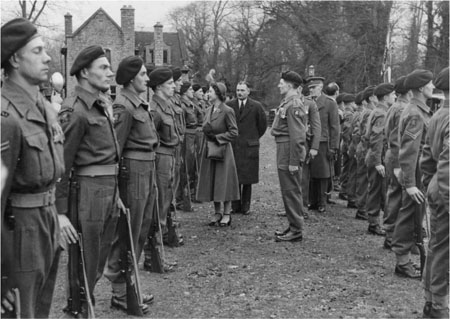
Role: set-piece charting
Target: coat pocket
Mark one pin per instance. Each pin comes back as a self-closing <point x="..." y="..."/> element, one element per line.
<point x="253" y="148"/>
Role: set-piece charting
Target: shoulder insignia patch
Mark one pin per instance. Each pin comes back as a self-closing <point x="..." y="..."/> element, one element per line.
<point x="65" y="116"/>
<point x="413" y="127"/>
<point x="5" y="114"/>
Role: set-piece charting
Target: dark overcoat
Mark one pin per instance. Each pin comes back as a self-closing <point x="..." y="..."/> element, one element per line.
<point x="252" y="123"/>
<point x="329" y="119"/>
<point x="218" y="180"/>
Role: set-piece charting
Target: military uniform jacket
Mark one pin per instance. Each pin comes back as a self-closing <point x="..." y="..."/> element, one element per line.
<point x="90" y="138"/>
<point x="391" y="129"/>
<point x="329" y="121"/>
<point x="190" y="113"/>
<point x="289" y="125"/>
<point x="314" y="127"/>
<point x="362" y="127"/>
<point x="133" y="123"/>
<point x="32" y="142"/>
<point x="435" y="157"/>
<point x="201" y="109"/>
<point x="375" y="136"/>
<point x="178" y="112"/>
<point x="347" y="128"/>
<point x="355" y="138"/>
<point x="165" y="123"/>
<point x="252" y="123"/>
<point x="414" y="121"/>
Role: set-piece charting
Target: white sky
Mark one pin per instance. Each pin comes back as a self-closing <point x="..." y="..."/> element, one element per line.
<point x="147" y="12"/>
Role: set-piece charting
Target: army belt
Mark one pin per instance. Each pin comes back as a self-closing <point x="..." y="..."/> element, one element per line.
<point x="32" y="200"/>
<point x="97" y="170"/>
<point x="140" y="156"/>
<point x="191" y="130"/>
<point x="166" y="150"/>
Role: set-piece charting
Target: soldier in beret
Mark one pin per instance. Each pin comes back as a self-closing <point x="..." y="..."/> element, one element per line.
<point x="435" y="168"/>
<point x="138" y="141"/>
<point x="361" y="149"/>
<point x="412" y="131"/>
<point x="91" y="156"/>
<point x="374" y="160"/>
<point x="321" y="167"/>
<point x="394" y="189"/>
<point x="289" y="129"/>
<point x="161" y="82"/>
<point x="32" y="152"/>
<point x="349" y="104"/>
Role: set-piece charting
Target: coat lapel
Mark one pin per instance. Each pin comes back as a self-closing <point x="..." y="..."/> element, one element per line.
<point x="215" y="115"/>
<point x="246" y="109"/>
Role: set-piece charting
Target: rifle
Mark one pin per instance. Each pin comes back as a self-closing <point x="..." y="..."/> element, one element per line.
<point x="156" y="258"/>
<point x="78" y="291"/>
<point x="128" y="262"/>
<point x="173" y="238"/>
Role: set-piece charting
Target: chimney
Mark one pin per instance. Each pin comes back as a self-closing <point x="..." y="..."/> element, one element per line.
<point x="68" y="24"/>
<point x="159" y="44"/>
<point x="127" y="24"/>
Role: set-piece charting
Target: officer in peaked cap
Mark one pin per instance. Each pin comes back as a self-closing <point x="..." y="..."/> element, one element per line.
<point x="412" y="131"/>
<point x="91" y="155"/>
<point x="138" y="141"/>
<point x="394" y="190"/>
<point x="435" y="168"/>
<point x="33" y="157"/>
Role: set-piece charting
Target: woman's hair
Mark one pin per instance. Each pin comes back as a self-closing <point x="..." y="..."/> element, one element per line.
<point x="221" y="96"/>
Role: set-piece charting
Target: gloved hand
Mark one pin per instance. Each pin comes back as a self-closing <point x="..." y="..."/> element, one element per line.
<point x="331" y="154"/>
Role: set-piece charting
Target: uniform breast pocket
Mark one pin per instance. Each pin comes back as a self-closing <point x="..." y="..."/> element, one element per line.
<point x="99" y="132"/>
<point x="141" y="118"/>
<point x="38" y="155"/>
<point x="166" y="131"/>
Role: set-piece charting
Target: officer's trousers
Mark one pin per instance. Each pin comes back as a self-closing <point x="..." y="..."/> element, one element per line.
<point x="292" y="198"/>
<point x="305" y="184"/>
<point x="242" y="205"/>
<point x="97" y="215"/>
<point x="361" y="182"/>
<point x="319" y="187"/>
<point x="436" y="279"/>
<point x="375" y="195"/>
<point x="393" y="197"/>
<point x="403" y="236"/>
<point x="351" y="183"/>
<point x="137" y="191"/>
<point x="165" y="165"/>
<point x="187" y="172"/>
<point x="345" y="171"/>
<point x="30" y="257"/>
<point x="176" y="171"/>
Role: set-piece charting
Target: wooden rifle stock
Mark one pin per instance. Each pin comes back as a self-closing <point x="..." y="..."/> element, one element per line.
<point x="90" y="306"/>
<point x="419" y="238"/>
<point x="128" y="263"/>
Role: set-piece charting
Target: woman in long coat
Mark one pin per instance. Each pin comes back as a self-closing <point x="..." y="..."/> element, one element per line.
<point x="218" y="179"/>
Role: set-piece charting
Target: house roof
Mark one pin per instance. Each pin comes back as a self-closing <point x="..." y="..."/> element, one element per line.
<point x="174" y="39"/>
<point x="81" y="27"/>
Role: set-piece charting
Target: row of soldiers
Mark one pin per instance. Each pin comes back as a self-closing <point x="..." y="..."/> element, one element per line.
<point x="75" y="177"/>
<point x="393" y="151"/>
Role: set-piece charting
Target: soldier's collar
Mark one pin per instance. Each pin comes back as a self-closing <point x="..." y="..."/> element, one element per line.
<point x="382" y="106"/>
<point x="135" y="99"/>
<point x="288" y="98"/>
<point x="22" y="100"/>
<point x="402" y="99"/>
<point x="159" y="100"/>
<point x="86" y="96"/>
<point x="420" y="104"/>
<point x="186" y="100"/>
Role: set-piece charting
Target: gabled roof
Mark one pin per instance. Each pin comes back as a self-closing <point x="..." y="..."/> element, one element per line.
<point x="92" y="17"/>
<point x="174" y="39"/>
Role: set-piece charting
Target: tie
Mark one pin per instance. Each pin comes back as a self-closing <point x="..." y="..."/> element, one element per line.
<point x="241" y="105"/>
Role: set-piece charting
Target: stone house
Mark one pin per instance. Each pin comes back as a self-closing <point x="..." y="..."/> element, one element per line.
<point x="157" y="48"/>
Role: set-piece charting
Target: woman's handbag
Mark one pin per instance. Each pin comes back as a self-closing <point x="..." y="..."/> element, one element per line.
<point x="214" y="151"/>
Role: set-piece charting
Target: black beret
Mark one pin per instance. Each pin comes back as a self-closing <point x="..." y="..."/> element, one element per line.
<point x="418" y="78"/>
<point x="184" y="69"/>
<point x="339" y="98"/>
<point x="359" y="97"/>
<point x="383" y="89"/>
<point x="159" y="76"/>
<point x="293" y="77"/>
<point x="348" y="98"/>
<point x="205" y="88"/>
<point x="399" y="85"/>
<point x="85" y="57"/>
<point x="368" y="91"/>
<point x="176" y="73"/>
<point x="128" y="68"/>
<point x="184" y="87"/>
<point x="441" y="81"/>
<point x="15" y="34"/>
<point x="196" y="87"/>
<point x="314" y="80"/>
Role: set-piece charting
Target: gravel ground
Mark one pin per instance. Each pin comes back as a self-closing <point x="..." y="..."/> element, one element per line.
<point x="337" y="271"/>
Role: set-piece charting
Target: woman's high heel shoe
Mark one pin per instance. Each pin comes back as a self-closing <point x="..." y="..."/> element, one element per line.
<point x="226" y="220"/>
<point x="216" y="218"/>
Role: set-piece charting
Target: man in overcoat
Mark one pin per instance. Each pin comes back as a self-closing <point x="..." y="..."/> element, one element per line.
<point x="322" y="165"/>
<point x="252" y="123"/>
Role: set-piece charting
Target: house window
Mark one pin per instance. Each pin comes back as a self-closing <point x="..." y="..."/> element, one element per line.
<point x="165" y="57"/>
<point x="108" y="54"/>
<point x="151" y="56"/>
